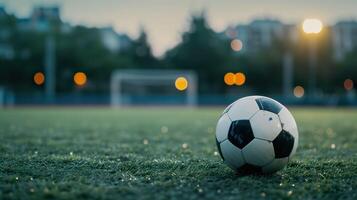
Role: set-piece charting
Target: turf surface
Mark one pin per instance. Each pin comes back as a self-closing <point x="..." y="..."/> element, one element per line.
<point x="73" y="153"/>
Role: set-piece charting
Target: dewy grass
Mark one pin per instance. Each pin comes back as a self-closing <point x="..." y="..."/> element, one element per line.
<point x="162" y="153"/>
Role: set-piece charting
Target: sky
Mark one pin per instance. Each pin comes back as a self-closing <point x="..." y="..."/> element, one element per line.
<point x="165" y="20"/>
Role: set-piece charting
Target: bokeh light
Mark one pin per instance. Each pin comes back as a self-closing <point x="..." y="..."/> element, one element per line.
<point x="236" y="45"/>
<point x="239" y="78"/>
<point x="80" y="78"/>
<point x="234" y="79"/>
<point x="299" y="91"/>
<point x="348" y="84"/>
<point x="312" y="26"/>
<point x="229" y="78"/>
<point x="39" y="78"/>
<point x="181" y="83"/>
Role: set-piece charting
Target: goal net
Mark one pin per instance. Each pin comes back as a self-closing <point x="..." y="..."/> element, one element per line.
<point x="153" y="87"/>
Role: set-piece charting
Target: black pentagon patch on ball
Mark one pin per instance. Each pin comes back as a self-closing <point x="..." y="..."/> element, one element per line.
<point x="249" y="169"/>
<point x="268" y="105"/>
<point x="219" y="148"/>
<point x="240" y="133"/>
<point x="283" y="144"/>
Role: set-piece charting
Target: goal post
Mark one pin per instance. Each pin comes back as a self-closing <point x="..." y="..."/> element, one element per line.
<point x="149" y="77"/>
<point x="2" y="97"/>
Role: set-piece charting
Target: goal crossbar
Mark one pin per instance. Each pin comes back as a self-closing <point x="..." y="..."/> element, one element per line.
<point x="148" y="76"/>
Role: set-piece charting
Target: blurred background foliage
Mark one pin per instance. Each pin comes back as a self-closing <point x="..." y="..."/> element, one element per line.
<point x="80" y="48"/>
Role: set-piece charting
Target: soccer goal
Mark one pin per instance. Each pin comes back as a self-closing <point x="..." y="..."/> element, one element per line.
<point x="2" y="97"/>
<point x="7" y="98"/>
<point x="143" y="87"/>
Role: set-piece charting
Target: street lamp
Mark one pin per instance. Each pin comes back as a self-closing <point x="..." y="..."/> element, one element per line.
<point x="312" y="27"/>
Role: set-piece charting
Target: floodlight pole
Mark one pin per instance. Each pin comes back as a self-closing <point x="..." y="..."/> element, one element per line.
<point x="192" y="90"/>
<point x="115" y="88"/>
<point x="312" y="67"/>
<point x="50" y="69"/>
<point x="287" y="74"/>
<point x="2" y="97"/>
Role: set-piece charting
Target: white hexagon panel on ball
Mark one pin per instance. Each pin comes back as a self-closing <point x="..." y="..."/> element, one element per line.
<point x="266" y="125"/>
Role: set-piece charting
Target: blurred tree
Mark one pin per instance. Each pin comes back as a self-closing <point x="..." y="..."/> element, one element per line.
<point x="23" y="60"/>
<point x="81" y="50"/>
<point x="203" y="51"/>
<point x="140" y="53"/>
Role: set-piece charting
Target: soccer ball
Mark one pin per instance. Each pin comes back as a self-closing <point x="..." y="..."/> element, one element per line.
<point x="256" y="134"/>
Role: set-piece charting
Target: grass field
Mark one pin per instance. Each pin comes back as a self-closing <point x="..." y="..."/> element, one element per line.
<point x="78" y="153"/>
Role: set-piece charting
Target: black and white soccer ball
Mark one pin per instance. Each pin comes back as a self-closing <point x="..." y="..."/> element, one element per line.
<point x="256" y="134"/>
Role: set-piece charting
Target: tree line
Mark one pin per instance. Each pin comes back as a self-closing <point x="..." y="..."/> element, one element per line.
<point x="201" y="49"/>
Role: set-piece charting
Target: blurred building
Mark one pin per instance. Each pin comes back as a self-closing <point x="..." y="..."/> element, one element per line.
<point x="260" y="34"/>
<point x="264" y="32"/>
<point x="6" y="49"/>
<point x="40" y="19"/>
<point x="344" y="38"/>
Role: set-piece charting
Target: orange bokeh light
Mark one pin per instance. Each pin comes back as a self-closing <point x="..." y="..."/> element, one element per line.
<point x="239" y="78"/>
<point x="299" y="91"/>
<point x="80" y="78"/>
<point x="236" y="45"/>
<point x="348" y="84"/>
<point x="181" y="83"/>
<point x="39" y="78"/>
<point x="229" y="78"/>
